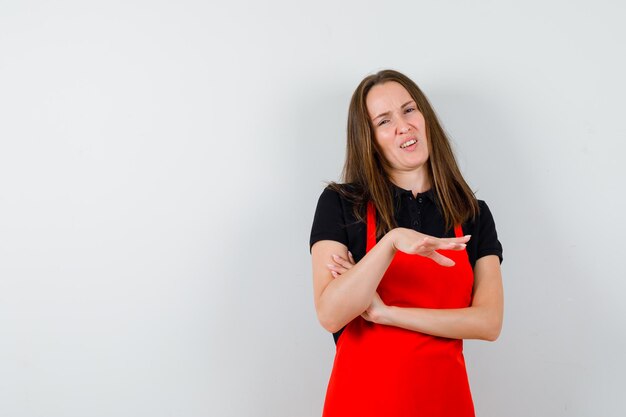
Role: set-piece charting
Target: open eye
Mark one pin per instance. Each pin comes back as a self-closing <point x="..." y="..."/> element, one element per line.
<point x="410" y="109"/>
<point x="382" y="122"/>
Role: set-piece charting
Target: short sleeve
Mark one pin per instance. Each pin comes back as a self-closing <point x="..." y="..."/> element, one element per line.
<point x="488" y="243"/>
<point x="329" y="221"/>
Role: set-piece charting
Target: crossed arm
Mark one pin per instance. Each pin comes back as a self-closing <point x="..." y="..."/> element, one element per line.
<point x="344" y="289"/>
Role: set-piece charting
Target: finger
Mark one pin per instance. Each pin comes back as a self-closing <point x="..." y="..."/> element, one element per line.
<point x="351" y="258"/>
<point x="331" y="267"/>
<point x="334" y="274"/>
<point x="430" y="243"/>
<point x="336" y="269"/>
<point x="452" y="246"/>
<point x="342" y="261"/>
<point x="462" y="239"/>
<point x="440" y="259"/>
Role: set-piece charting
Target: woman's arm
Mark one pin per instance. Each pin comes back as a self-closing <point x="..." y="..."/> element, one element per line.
<point x="482" y="320"/>
<point x="340" y="299"/>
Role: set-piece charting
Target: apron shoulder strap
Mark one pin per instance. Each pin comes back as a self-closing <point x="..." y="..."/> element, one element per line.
<point x="371" y="226"/>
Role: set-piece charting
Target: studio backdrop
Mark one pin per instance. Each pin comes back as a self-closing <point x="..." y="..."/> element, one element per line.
<point x="160" y="163"/>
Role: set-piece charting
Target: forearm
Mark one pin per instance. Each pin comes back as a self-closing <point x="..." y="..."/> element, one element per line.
<point x="482" y="320"/>
<point x="348" y="295"/>
<point x="475" y="322"/>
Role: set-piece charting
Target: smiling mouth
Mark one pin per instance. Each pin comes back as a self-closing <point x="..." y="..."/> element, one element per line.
<point x="408" y="143"/>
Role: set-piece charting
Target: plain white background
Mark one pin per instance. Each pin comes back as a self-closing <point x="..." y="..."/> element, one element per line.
<point x="160" y="163"/>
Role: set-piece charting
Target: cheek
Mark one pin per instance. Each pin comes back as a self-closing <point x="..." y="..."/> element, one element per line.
<point x="384" y="136"/>
<point x="418" y="120"/>
<point x="383" y="142"/>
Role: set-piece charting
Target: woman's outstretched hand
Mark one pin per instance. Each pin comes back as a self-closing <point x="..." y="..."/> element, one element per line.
<point x="415" y="243"/>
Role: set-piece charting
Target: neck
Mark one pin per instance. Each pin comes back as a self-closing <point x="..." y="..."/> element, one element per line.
<point x="417" y="181"/>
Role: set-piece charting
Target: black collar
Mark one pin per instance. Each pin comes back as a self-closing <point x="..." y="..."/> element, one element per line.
<point x="399" y="192"/>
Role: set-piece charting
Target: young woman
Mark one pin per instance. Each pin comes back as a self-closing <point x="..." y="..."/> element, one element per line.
<point x="406" y="262"/>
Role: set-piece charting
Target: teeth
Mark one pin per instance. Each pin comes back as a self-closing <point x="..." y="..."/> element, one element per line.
<point x="409" y="143"/>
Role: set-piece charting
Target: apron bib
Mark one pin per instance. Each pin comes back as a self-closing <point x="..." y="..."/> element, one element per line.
<point x="387" y="371"/>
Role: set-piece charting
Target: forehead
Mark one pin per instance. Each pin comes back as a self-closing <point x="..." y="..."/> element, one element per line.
<point x="386" y="97"/>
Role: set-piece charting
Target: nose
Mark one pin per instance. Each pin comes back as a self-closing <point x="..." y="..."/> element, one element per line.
<point x="402" y="125"/>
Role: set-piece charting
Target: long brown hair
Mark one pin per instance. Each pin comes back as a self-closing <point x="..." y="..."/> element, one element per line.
<point x="365" y="166"/>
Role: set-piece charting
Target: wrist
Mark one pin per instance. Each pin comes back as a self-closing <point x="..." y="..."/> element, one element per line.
<point x="390" y="240"/>
<point x="385" y="316"/>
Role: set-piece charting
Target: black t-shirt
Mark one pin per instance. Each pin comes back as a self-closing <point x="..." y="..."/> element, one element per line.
<point x="334" y="220"/>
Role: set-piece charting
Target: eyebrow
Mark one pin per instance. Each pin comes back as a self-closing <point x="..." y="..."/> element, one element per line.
<point x="386" y="113"/>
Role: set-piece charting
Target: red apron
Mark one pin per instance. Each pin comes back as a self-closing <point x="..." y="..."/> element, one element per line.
<point x="387" y="371"/>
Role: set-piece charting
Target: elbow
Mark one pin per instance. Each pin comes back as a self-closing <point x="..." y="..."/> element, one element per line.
<point x="492" y="330"/>
<point x="332" y="328"/>
<point x="334" y="317"/>
<point x="327" y="323"/>
<point x="328" y="320"/>
<point x="491" y="336"/>
<point x="324" y="317"/>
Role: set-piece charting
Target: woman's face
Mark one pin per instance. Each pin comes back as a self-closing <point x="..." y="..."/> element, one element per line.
<point x="399" y="128"/>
